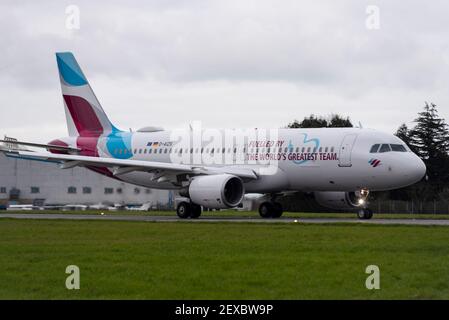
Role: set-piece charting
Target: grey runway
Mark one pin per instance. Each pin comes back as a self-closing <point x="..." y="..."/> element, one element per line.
<point x="148" y="218"/>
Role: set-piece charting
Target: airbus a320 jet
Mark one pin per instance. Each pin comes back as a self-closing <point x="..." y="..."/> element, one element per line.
<point x="216" y="168"/>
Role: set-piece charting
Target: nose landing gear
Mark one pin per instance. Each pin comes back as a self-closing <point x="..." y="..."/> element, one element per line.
<point x="364" y="213"/>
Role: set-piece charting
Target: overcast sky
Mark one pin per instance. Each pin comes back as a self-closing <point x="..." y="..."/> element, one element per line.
<point x="227" y="63"/>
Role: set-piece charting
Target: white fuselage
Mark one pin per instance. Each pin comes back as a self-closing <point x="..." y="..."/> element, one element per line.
<point x="324" y="159"/>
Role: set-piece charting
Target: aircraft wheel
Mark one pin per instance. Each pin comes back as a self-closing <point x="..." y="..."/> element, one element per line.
<point x="277" y="210"/>
<point x="195" y="211"/>
<point x="184" y="210"/>
<point x="369" y="213"/>
<point x="361" y="214"/>
<point x="266" y="209"/>
<point x="365" y="214"/>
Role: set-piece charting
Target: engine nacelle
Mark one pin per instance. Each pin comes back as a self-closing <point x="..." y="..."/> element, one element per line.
<point x="338" y="199"/>
<point x="216" y="191"/>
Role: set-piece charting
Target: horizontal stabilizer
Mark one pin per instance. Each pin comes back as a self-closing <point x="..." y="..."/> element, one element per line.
<point x="12" y="146"/>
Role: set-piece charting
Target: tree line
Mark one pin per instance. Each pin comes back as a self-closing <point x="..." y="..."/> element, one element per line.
<point x="428" y="137"/>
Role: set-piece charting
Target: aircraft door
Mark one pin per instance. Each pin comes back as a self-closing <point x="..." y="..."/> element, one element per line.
<point x="344" y="159"/>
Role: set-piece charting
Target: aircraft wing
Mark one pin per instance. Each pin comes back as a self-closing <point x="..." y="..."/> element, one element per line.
<point x="121" y="166"/>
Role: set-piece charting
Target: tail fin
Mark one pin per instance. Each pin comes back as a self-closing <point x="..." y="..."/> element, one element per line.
<point x="85" y="116"/>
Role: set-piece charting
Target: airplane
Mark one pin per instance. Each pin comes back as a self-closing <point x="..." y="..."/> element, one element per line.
<point x="210" y="170"/>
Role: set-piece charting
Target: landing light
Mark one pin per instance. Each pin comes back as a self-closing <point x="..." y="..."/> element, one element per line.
<point x="361" y="201"/>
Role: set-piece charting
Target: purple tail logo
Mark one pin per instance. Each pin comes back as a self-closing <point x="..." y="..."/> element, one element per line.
<point x="374" y="162"/>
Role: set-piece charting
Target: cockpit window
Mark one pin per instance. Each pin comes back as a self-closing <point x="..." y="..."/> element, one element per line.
<point x="374" y="148"/>
<point x="398" y="147"/>
<point x="384" y="148"/>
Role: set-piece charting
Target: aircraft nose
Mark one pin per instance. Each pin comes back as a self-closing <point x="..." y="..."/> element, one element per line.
<point x="421" y="171"/>
<point x="416" y="169"/>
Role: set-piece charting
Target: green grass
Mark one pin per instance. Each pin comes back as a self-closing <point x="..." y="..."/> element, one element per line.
<point x="135" y="260"/>
<point x="236" y="213"/>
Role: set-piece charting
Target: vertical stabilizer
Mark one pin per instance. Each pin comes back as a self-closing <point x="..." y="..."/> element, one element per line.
<point x="85" y="116"/>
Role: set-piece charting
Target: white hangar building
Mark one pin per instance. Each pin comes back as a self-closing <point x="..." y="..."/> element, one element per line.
<point x="37" y="182"/>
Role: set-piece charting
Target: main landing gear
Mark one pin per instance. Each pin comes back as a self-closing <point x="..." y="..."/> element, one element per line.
<point x="270" y="209"/>
<point x="188" y="210"/>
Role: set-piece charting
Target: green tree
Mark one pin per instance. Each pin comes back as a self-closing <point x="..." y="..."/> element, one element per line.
<point x="430" y="136"/>
<point x="313" y="121"/>
<point x="338" y="121"/>
<point x="403" y="133"/>
<point x="429" y="139"/>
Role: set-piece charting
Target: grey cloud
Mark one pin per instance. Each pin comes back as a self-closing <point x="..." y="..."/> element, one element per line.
<point x="227" y="47"/>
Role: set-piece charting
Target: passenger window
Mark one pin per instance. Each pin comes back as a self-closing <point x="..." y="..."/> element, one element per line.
<point x="374" y="148"/>
<point x="385" y="148"/>
<point x="398" y="147"/>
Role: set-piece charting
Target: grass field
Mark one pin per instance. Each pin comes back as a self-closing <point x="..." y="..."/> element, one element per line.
<point x="135" y="260"/>
<point x="236" y="213"/>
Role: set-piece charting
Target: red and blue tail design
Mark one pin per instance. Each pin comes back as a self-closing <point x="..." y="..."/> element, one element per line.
<point x="86" y="120"/>
<point x="85" y="116"/>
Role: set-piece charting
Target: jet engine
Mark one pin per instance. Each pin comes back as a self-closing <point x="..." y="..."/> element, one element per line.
<point x="339" y="200"/>
<point x="216" y="191"/>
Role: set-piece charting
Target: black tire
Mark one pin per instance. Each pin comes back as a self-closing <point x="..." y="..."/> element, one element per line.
<point x="365" y="214"/>
<point x="277" y="210"/>
<point x="361" y="214"/>
<point x="195" y="211"/>
<point x="368" y="213"/>
<point x="266" y="209"/>
<point x="183" y="210"/>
